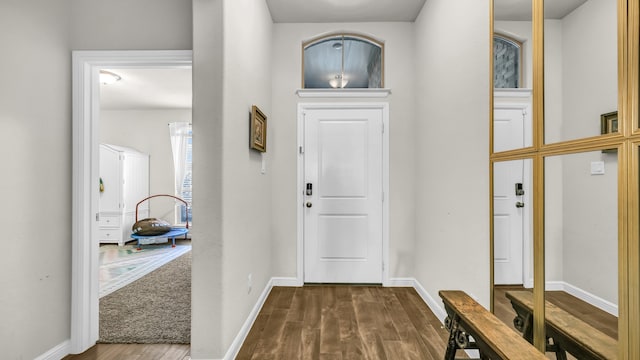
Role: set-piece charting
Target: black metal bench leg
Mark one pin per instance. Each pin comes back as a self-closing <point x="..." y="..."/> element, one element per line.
<point x="451" y="326"/>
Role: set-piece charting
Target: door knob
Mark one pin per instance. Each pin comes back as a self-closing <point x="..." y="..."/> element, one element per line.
<point x="519" y="204"/>
<point x="309" y="204"/>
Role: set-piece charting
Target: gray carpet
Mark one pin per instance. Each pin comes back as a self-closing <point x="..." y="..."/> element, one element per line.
<point x="155" y="309"/>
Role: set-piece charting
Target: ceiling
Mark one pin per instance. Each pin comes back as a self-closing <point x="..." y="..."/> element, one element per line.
<point x="328" y="11"/>
<point x="158" y="88"/>
<point x="171" y="88"/>
<point x="520" y="10"/>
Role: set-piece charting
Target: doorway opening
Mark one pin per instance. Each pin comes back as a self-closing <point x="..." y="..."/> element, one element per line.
<point x="86" y="139"/>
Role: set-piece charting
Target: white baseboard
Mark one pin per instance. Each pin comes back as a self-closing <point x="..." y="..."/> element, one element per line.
<point x="400" y="282"/>
<point x="233" y="350"/>
<point x="438" y="310"/>
<point x="436" y="307"/>
<point x="56" y="353"/>
<point x="583" y="295"/>
<point x="286" y="281"/>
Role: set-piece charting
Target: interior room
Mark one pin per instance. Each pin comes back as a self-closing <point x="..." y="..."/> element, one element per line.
<point x="145" y="135"/>
<point x="574" y="96"/>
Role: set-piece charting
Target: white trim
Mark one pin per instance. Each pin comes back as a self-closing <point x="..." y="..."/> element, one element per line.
<point x="436" y="306"/>
<point x="511" y="93"/>
<point x="57" y="352"/>
<point x="287" y="281"/>
<point x="401" y="282"/>
<point x="554" y="286"/>
<point x="583" y="295"/>
<point x="233" y="350"/>
<point x="85" y="90"/>
<point x="528" y="283"/>
<point x="384" y="106"/>
<point x="343" y="93"/>
<point x="235" y="347"/>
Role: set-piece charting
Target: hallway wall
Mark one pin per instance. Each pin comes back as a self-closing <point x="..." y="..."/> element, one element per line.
<point x="452" y="234"/>
<point x="35" y="114"/>
<point x="35" y="111"/>
<point x="232" y="72"/>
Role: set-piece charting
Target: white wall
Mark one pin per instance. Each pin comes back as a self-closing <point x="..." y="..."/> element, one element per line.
<point x="589" y="67"/>
<point x="399" y="77"/>
<point x="35" y="110"/>
<point x="590" y="233"/>
<point x="147" y="131"/>
<point x="131" y="25"/>
<point x="452" y="192"/>
<point x="206" y="268"/>
<point x="227" y="83"/>
<point x="589" y="88"/>
<point x="247" y="196"/>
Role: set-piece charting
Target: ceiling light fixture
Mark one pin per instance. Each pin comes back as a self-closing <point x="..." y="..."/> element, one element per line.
<point x="337" y="45"/>
<point x="108" y="78"/>
<point x="338" y="82"/>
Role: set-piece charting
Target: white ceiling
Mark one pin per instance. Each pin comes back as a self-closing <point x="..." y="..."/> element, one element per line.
<point x="171" y="88"/>
<point x="158" y="88"/>
<point x="520" y="10"/>
<point x="327" y="11"/>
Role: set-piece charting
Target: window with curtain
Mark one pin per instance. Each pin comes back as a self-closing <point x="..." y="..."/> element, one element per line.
<point x="181" y="146"/>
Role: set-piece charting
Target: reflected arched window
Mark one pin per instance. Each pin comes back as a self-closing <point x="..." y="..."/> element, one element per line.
<point x="507" y="62"/>
<point x="343" y="61"/>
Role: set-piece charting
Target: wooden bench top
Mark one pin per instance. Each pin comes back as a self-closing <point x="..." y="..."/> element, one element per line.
<point x="479" y="322"/>
<point x="568" y="326"/>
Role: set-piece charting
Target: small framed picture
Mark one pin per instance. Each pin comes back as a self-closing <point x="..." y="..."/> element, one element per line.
<point x="609" y="123"/>
<point x="258" y="139"/>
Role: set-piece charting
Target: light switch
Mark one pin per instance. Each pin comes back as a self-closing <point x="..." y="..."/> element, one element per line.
<point x="263" y="169"/>
<point x="597" y="168"/>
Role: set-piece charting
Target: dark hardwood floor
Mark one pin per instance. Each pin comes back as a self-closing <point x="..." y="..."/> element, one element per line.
<point x="348" y="322"/>
<point x="344" y="322"/>
<point x="321" y="322"/>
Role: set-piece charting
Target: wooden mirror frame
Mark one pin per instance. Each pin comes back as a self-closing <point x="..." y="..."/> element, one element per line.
<point x="627" y="141"/>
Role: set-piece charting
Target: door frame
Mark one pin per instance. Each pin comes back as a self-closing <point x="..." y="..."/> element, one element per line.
<point x="384" y="107"/>
<point x="85" y="162"/>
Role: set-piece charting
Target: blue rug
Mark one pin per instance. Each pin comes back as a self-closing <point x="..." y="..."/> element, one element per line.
<point x="121" y="265"/>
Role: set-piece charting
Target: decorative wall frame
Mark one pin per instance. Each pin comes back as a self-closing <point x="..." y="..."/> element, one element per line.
<point x="258" y="139"/>
<point x="609" y="123"/>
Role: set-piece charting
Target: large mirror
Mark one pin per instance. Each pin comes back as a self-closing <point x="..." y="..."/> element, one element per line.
<point x="512" y="75"/>
<point x="580" y="69"/>
<point x="581" y="251"/>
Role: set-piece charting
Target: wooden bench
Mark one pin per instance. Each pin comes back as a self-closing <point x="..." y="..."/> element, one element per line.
<point x="471" y="327"/>
<point x="564" y="332"/>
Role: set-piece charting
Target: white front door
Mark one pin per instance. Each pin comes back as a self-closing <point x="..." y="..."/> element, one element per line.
<point x="343" y="152"/>
<point x="510" y="233"/>
<point x="508" y="209"/>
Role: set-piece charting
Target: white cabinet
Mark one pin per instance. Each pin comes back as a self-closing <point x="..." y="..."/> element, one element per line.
<point x="124" y="175"/>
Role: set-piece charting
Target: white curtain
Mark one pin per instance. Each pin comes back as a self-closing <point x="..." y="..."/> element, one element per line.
<point x="179" y="133"/>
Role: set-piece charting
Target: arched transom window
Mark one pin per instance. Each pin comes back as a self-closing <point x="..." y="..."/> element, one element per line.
<point x="343" y="61"/>
<point x="507" y="62"/>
